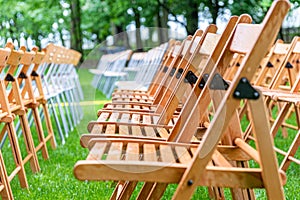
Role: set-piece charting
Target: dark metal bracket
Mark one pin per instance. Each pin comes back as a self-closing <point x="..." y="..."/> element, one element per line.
<point x="244" y="90"/>
<point x="269" y="64"/>
<point x="288" y="65"/>
<point x="33" y="73"/>
<point x="178" y="75"/>
<point x="218" y="83"/>
<point x="22" y="75"/>
<point x="165" y="69"/>
<point x="9" y="78"/>
<point x="190" y="78"/>
<point x="172" y="71"/>
<point x="203" y="81"/>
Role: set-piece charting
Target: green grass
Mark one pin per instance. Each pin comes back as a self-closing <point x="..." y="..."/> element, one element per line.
<point x="56" y="179"/>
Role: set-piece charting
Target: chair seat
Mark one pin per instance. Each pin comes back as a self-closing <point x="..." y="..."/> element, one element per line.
<point x="159" y="162"/>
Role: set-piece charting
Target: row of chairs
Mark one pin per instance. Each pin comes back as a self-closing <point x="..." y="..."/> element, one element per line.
<point x="193" y="134"/>
<point x="109" y="70"/>
<point x="141" y="68"/>
<point x="29" y="81"/>
<point x="126" y="69"/>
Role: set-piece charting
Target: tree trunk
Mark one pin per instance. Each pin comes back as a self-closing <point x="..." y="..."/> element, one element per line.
<point x="162" y="23"/>
<point x="61" y="37"/>
<point x="214" y="10"/>
<point x="122" y="37"/>
<point x="192" y="16"/>
<point x="139" y="45"/>
<point x="76" y="34"/>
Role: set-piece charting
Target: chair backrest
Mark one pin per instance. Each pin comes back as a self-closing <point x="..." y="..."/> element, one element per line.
<point x="4" y="55"/>
<point x="287" y="75"/>
<point x="271" y="64"/>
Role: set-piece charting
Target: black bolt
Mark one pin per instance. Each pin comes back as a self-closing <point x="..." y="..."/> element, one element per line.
<point x="237" y="93"/>
<point x="244" y="80"/>
<point x="190" y="182"/>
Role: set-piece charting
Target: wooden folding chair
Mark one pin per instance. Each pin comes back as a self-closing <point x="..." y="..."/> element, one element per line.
<point x="53" y="94"/>
<point x="283" y="95"/>
<point x="27" y="78"/>
<point x="166" y="162"/>
<point x="11" y="58"/>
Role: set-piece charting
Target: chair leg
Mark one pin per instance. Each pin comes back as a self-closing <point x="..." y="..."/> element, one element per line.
<point x="29" y="143"/>
<point x="127" y="190"/>
<point x="62" y="137"/>
<point x="17" y="155"/>
<point x="49" y="125"/>
<point x="66" y="129"/>
<point x="6" y="192"/>
<point x="291" y="152"/>
<point x="157" y="191"/>
<point x="40" y="132"/>
<point x="147" y="187"/>
<point x="264" y="142"/>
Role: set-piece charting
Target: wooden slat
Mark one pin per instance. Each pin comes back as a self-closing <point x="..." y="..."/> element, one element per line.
<point x="166" y="173"/>
<point x="132" y="151"/>
<point x="162" y="132"/>
<point x="97" y="151"/>
<point x="124" y="117"/>
<point x="115" y="151"/>
<point x="146" y="119"/>
<point x="150" y="132"/>
<point x="111" y="129"/>
<point x="182" y="154"/>
<point x="135" y="118"/>
<point x="149" y="152"/>
<point x="166" y="154"/>
<point x="136" y="130"/>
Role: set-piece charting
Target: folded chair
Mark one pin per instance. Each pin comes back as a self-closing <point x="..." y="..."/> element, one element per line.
<point x="283" y="95"/>
<point x="28" y="101"/>
<point x="10" y="58"/>
<point x="53" y="93"/>
<point x="167" y="162"/>
<point x="28" y="79"/>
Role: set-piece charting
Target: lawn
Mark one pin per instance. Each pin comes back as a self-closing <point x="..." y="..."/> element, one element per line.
<point x="56" y="179"/>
